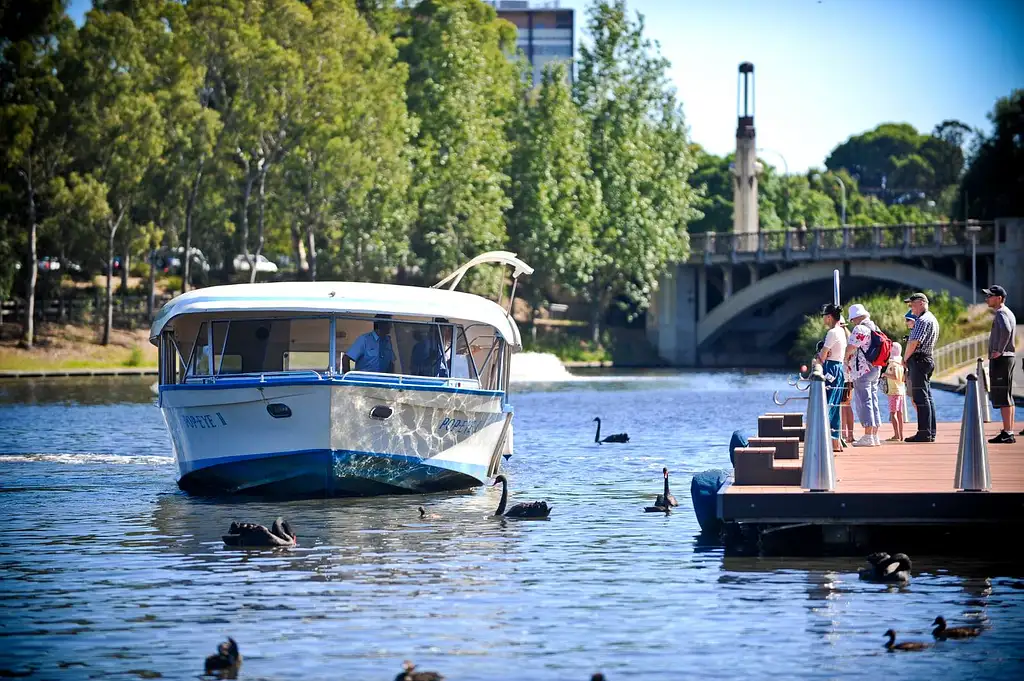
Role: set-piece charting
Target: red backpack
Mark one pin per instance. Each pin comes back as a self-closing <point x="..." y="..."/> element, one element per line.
<point x="879" y="349"/>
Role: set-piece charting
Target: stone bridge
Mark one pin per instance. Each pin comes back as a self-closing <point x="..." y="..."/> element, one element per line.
<point x="740" y="299"/>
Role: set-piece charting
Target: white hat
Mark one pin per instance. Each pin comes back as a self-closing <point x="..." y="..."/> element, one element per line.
<point x="858" y="310"/>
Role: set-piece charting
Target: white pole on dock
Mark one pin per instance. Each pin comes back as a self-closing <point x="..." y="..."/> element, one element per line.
<point x="819" y="468"/>
<point x="972" y="473"/>
<point x="986" y="415"/>
<point x="835" y="287"/>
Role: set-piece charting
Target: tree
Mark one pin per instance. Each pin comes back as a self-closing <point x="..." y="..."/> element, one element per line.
<point x="460" y="88"/>
<point x="639" y="154"/>
<point x="117" y="119"/>
<point x="555" y="197"/>
<point x="993" y="185"/>
<point x="33" y="125"/>
<point x="712" y="180"/>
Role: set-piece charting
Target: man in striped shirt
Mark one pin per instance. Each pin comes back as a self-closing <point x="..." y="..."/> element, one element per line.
<point x="920" y="364"/>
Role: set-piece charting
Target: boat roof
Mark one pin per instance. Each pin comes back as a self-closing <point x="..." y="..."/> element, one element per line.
<point x="339" y="297"/>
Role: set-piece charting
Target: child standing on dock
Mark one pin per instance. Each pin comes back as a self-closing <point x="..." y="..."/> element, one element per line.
<point x="897" y="391"/>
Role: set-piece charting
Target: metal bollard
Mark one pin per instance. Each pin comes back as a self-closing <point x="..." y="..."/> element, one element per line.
<point x="986" y="415"/>
<point x="972" y="473"/>
<point x="819" y="469"/>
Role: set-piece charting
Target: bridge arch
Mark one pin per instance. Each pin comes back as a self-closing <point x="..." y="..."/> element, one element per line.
<point x="777" y="284"/>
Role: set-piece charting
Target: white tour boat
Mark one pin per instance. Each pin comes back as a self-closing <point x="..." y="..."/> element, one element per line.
<point x="260" y="395"/>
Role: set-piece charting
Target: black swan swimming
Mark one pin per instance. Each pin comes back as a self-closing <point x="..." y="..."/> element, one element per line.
<point x="253" y="535"/>
<point x="532" y="509"/>
<point x="227" y="660"/>
<point x="942" y="631"/>
<point x="617" y="437"/>
<point x="409" y="674"/>
<point x="885" y="568"/>
<point x="905" y="645"/>
<point x="428" y="516"/>
<point x="666" y="498"/>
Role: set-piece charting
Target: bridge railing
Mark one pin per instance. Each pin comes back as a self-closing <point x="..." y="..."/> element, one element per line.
<point x="964" y="352"/>
<point x="828" y="242"/>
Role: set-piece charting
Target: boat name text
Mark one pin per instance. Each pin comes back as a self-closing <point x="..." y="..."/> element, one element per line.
<point x="204" y="421"/>
<point x="462" y="426"/>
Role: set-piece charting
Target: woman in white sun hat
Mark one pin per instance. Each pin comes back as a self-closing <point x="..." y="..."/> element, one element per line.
<point x="865" y="376"/>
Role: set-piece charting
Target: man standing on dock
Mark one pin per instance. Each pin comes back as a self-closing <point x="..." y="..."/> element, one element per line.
<point x="920" y="365"/>
<point x="1001" y="357"/>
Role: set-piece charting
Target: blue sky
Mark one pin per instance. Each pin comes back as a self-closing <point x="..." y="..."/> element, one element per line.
<point x="830" y="69"/>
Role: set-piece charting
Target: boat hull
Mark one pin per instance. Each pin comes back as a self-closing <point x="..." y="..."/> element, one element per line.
<point x="332" y="438"/>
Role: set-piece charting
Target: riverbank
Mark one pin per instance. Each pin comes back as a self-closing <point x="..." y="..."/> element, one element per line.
<point x="68" y="349"/>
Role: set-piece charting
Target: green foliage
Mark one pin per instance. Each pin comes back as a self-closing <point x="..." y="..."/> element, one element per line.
<point x="135" y="358"/>
<point x="639" y="154"/>
<point x="569" y="347"/>
<point x="899" y="165"/>
<point x="460" y="87"/>
<point x="994" y="182"/>
<point x="555" y="198"/>
<point x="887" y="310"/>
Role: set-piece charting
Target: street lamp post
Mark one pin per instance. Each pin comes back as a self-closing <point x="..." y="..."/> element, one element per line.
<point x="973" y="228"/>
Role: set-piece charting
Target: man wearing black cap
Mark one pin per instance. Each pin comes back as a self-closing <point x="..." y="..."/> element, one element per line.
<point x="920" y="365"/>
<point x="1001" y="357"/>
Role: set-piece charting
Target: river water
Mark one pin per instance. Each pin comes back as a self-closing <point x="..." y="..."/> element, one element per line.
<point x="107" y="570"/>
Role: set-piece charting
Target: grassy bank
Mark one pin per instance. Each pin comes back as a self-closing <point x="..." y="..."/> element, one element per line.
<point x="60" y="346"/>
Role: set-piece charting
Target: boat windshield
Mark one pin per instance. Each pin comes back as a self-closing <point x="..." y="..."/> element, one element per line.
<point x="432" y="348"/>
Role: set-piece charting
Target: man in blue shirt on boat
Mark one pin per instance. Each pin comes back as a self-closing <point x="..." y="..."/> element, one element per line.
<point x="372" y="351"/>
<point x="429" y="355"/>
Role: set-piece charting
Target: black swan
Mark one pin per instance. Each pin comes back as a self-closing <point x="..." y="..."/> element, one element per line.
<point x="906" y="645"/>
<point x="942" y="631"/>
<point x="428" y="516"/>
<point x="658" y="509"/>
<point x="227" y="660"/>
<point x="409" y="674"/>
<point x="665" y="499"/>
<point x="885" y="568"/>
<point x="617" y="437"/>
<point x="253" y="535"/>
<point x="532" y="509"/>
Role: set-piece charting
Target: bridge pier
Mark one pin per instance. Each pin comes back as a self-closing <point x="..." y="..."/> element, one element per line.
<point x="1009" y="261"/>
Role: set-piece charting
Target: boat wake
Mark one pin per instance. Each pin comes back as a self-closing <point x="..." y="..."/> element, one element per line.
<point x="538" y="367"/>
<point x="79" y="459"/>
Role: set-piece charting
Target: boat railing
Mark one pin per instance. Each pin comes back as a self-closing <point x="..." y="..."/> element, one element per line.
<point x="406" y="379"/>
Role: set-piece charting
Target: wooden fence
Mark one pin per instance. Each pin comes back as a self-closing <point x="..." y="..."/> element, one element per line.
<point x="130" y="312"/>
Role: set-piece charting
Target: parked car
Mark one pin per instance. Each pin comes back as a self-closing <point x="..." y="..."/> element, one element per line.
<point x="49" y="264"/>
<point x="170" y="260"/>
<point x="262" y="264"/>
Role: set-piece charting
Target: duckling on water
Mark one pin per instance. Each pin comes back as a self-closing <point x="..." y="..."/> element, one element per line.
<point x="941" y="631"/>
<point x="891" y="644"/>
<point x="226" y="662"/>
<point x="411" y="675"/>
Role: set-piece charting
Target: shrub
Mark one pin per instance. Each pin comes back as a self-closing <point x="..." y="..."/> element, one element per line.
<point x="135" y="358"/>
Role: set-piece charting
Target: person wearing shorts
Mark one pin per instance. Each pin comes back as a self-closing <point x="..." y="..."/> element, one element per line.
<point x="1002" y="355"/>
<point x="897" y="391"/>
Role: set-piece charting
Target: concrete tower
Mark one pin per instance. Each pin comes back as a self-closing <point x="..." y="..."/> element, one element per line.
<point x="745" y="168"/>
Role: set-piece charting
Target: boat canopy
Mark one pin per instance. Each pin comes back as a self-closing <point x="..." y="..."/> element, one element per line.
<point x="340" y="297"/>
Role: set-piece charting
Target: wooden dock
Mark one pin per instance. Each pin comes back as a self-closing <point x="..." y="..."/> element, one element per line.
<point x="897" y="484"/>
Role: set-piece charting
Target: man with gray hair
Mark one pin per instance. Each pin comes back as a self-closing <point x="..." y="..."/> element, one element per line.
<point x="1001" y="352"/>
<point x="920" y="364"/>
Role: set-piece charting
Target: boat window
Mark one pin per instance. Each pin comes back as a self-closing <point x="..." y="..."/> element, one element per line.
<point x="199" y="360"/>
<point x="249" y="346"/>
<point x="463" y="364"/>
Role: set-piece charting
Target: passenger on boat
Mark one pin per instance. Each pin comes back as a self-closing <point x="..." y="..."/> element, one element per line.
<point x="430" y="354"/>
<point x="372" y="351"/>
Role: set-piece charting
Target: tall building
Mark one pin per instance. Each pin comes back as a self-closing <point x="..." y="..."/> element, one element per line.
<point x="546" y="31"/>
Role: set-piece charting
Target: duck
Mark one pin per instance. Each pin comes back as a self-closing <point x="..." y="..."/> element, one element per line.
<point x="891" y="644"/>
<point x="532" y="509"/>
<point x="226" y="662"/>
<point x="617" y="437"/>
<point x="428" y="516"/>
<point x="409" y="673"/>
<point x="941" y="631"/>
<point x="251" y="535"/>
<point x="666" y="498"/>
<point x="885" y="568"/>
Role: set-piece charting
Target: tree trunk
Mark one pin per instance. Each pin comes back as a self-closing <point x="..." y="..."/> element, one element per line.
<point x="190" y="207"/>
<point x="125" y="265"/>
<point x="108" y="318"/>
<point x="311" y="246"/>
<point x="246" y="194"/>
<point x="61" y="309"/>
<point x="260" y="203"/>
<point x="29" y="337"/>
<point x="595" y="322"/>
<point x="151" y="298"/>
<point x="299" y="250"/>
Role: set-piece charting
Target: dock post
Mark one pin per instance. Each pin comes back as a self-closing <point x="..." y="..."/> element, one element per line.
<point x="986" y="416"/>
<point x="819" y="469"/>
<point x="972" y="473"/>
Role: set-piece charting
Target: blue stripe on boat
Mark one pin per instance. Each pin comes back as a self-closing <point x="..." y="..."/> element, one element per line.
<point x="249" y="382"/>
